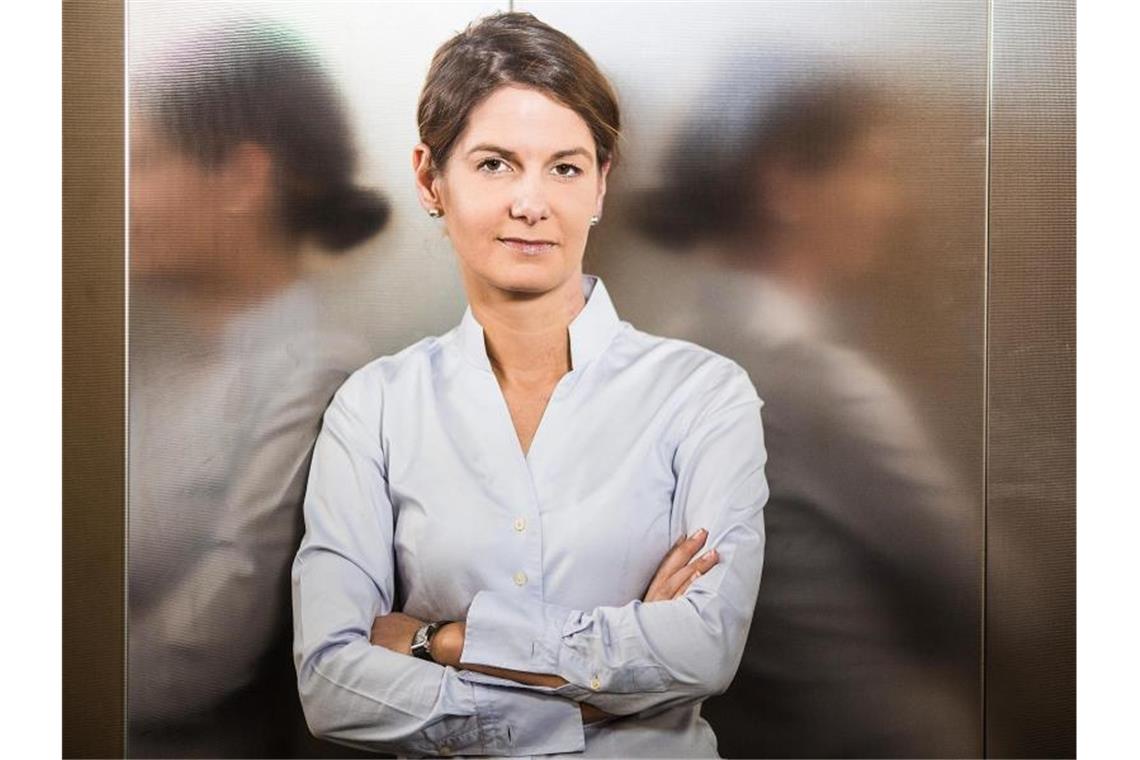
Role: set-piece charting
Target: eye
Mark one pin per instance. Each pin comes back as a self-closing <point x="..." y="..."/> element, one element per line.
<point x="567" y="170"/>
<point x="492" y="166"/>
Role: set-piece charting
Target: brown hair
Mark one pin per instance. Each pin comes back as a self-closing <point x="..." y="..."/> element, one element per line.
<point x="257" y="80"/>
<point x="513" y="49"/>
<point x="713" y="194"/>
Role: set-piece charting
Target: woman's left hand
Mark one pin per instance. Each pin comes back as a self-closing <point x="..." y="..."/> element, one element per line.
<point x="395" y="631"/>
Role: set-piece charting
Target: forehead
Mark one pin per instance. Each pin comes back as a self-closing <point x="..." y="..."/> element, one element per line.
<point x="525" y="120"/>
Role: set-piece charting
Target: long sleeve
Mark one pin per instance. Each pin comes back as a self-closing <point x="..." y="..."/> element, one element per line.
<point x="366" y="696"/>
<point x="185" y="657"/>
<point x="641" y="658"/>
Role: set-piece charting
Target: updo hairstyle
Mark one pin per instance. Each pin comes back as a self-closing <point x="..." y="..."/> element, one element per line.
<point x="257" y="81"/>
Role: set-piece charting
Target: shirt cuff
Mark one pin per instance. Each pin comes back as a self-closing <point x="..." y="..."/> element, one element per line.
<point x="522" y="722"/>
<point x="514" y="632"/>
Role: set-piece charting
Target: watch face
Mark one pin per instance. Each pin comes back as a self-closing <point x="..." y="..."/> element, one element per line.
<point x="420" y="639"/>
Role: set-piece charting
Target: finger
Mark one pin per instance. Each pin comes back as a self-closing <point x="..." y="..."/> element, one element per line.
<point x="682" y="556"/>
<point x="695" y="570"/>
<point x="676" y="559"/>
<point x="680" y="580"/>
<point x="676" y="547"/>
<point x="685" y="589"/>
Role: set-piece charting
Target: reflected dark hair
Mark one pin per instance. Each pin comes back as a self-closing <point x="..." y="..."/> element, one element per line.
<point x="258" y="81"/>
<point x="713" y="190"/>
<point x="513" y="49"/>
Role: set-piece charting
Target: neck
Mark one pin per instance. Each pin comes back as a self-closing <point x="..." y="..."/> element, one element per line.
<point x="210" y="299"/>
<point x="527" y="336"/>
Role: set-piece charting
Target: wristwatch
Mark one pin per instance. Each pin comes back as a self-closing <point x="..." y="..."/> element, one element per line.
<point x="421" y="642"/>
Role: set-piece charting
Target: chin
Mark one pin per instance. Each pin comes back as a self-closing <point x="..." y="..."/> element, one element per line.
<point x="527" y="285"/>
<point x="529" y="279"/>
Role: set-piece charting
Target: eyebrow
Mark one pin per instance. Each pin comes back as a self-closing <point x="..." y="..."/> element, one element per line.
<point x="511" y="155"/>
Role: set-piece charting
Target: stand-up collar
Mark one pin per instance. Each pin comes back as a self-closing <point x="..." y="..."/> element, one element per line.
<point x="590" y="331"/>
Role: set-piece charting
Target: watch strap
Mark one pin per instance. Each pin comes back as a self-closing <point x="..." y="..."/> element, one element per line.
<point x="421" y="642"/>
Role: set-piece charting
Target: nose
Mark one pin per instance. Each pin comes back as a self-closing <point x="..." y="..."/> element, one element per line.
<point x="530" y="204"/>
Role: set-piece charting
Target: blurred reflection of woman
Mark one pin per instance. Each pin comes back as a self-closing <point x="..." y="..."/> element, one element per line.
<point x="864" y="641"/>
<point x="487" y="565"/>
<point x="230" y="371"/>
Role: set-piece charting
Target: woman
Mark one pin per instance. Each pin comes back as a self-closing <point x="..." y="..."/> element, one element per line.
<point x="497" y="501"/>
<point x="230" y="372"/>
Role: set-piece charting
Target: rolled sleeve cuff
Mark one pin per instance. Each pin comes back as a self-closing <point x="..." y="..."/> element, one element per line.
<point x="513" y="632"/>
<point x="521" y="722"/>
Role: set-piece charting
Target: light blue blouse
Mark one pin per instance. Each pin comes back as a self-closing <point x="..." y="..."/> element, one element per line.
<point x="420" y="499"/>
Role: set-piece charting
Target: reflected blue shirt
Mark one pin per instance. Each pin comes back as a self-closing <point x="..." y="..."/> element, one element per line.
<point x="420" y="498"/>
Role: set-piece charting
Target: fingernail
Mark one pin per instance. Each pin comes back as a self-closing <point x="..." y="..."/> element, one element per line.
<point x="698" y="533"/>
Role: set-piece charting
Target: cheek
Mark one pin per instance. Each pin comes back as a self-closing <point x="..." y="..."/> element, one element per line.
<point x="169" y="197"/>
<point x="473" y="218"/>
<point x="574" y="210"/>
<point x="174" y="223"/>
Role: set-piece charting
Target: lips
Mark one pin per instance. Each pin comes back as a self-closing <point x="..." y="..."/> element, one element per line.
<point x="528" y="247"/>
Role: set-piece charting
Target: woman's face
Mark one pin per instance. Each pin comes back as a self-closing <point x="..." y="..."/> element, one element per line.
<point x="518" y="192"/>
<point x="844" y="214"/>
<point x="190" y="223"/>
<point x="173" y="209"/>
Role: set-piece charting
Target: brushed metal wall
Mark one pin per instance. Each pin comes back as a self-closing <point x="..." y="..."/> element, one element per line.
<point x="94" y="383"/>
<point x="827" y="192"/>
<point x="1031" y="398"/>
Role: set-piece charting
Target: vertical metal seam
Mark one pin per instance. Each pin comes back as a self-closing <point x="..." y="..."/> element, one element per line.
<point x="126" y="377"/>
<point x="983" y="660"/>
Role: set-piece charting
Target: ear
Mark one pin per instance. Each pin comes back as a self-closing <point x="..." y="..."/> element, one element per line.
<point x="427" y="178"/>
<point x="245" y="178"/>
<point x="603" y="172"/>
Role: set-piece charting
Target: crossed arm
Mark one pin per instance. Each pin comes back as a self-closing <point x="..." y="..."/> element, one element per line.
<point x="677" y="572"/>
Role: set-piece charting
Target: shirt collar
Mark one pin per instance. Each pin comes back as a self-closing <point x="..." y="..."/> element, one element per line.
<point x="590" y="331"/>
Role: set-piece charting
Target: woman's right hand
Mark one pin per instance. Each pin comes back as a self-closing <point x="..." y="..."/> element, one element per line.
<point x="677" y="572"/>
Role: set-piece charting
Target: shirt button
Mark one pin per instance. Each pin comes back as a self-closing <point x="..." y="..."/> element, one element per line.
<point x="520" y="578"/>
<point x="520" y="524"/>
<point x="595" y="683"/>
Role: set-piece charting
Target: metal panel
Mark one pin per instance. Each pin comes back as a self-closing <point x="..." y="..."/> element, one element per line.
<point x="1031" y="435"/>
<point x="94" y="444"/>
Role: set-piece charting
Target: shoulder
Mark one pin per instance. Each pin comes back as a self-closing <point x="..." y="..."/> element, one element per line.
<point x="385" y="375"/>
<point x="702" y="380"/>
<point x="682" y="358"/>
